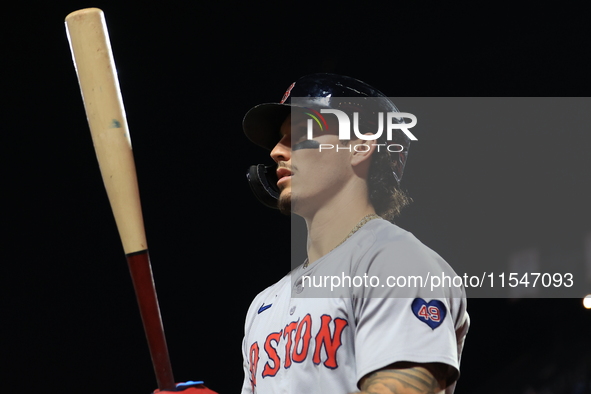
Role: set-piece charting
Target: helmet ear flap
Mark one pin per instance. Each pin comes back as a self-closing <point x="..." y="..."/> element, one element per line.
<point x="263" y="183"/>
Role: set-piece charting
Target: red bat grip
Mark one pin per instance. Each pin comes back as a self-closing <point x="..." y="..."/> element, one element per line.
<point x="145" y="291"/>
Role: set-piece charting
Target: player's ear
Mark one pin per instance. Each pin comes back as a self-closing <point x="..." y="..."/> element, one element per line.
<point x="361" y="151"/>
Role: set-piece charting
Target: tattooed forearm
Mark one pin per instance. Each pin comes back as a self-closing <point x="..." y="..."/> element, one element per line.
<point x="399" y="381"/>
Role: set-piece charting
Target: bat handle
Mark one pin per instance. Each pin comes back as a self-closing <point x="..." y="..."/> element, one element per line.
<point x="145" y="291"/>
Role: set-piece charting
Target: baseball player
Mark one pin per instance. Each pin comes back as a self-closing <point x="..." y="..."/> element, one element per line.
<point x="370" y="332"/>
<point x="305" y="335"/>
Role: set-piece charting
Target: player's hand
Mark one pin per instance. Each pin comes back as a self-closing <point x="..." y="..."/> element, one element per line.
<point x="188" y="388"/>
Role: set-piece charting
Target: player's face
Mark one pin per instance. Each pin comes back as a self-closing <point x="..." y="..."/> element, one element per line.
<point x="309" y="177"/>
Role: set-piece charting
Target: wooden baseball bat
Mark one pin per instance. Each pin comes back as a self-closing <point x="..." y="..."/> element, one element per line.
<point x="97" y="76"/>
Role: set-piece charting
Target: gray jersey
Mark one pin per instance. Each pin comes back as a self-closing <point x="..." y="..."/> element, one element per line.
<point x="304" y="335"/>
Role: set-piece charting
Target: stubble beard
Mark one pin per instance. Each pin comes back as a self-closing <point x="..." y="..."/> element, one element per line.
<point x="284" y="203"/>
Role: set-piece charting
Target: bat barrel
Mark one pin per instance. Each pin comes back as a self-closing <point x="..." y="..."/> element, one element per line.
<point x="99" y="85"/>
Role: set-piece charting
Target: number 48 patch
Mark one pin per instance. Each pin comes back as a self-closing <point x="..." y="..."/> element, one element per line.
<point x="431" y="313"/>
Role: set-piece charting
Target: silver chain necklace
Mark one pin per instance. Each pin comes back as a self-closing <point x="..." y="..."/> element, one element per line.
<point x="361" y="223"/>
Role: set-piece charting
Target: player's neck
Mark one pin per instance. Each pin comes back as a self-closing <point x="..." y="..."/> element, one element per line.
<point x="330" y="225"/>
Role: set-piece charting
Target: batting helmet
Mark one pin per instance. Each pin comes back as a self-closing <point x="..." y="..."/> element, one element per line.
<point x="262" y="123"/>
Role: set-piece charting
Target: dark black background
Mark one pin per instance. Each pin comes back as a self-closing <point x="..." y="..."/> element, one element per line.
<point x="188" y="73"/>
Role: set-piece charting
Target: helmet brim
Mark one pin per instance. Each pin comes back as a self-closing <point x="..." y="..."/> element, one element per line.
<point x="262" y="123"/>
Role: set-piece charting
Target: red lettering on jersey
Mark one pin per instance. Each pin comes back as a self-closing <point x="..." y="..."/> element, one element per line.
<point x="303" y="340"/>
<point x="331" y="343"/>
<point x="254" y="360"/>
<point x="272" y="353"/>
<point x="423" y="312"/>
<point x="287" y="334"/>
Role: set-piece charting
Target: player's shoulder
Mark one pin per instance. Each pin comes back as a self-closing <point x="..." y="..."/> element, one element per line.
<point x="387" y="235"/>
<point x="396" y="252"/>
<point x="385" y="232"/>
<point x="388" y="243"/>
